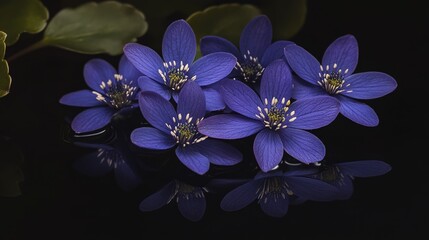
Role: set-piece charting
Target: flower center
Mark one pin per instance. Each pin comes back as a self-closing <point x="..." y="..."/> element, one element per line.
<point x="333" y="81"/>
<point x="274" y="113"/>
<point x="187" y="191"/>
<point x="273" y="187"/>
<point x="118" y="93"/>
<point x="332" y="174"/>
<point x="251" y="70"/>
<point x="175" y="75"/>
<point x="111" y="157"/>
<point x="185" y="130"/>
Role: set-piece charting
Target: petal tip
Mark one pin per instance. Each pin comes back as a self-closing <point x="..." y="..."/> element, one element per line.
<point x="349" y="36"/>
<point x="130" y="46"/>
<point x="262" y="18"/>
<point x="180" y="23"/>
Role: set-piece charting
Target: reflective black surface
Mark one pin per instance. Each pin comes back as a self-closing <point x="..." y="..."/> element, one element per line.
<point x="62" y="197"/>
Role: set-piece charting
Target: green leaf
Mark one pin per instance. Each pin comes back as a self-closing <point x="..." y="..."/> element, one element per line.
<point x="96" y="28"/>
<point x="5" y="79"/>
<point x="287" y="16"/>
<point x="225" y="20"/>
<point x="18" y="16"/>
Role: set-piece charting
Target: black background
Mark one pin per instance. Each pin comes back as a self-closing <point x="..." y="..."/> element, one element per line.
<point x="59" y="203"/>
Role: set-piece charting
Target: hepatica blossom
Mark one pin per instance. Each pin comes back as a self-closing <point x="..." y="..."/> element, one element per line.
<point x="110" y="93"/>
<point x="256" y="50"/>
<point x="167" y="76"/>
<point x="180" y="128"/>
<point x="335" y="77"/>
<point x="280" y="125"/>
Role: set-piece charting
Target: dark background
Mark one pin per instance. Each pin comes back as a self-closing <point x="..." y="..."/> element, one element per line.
<point x="59" y="203"/>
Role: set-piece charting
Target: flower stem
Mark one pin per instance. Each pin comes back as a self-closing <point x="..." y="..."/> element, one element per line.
<point x="26" y="50"/>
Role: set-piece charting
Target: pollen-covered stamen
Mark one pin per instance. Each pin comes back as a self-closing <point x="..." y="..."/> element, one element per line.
<point x="274" y="113"/>
<point x="185" y="130"/>
<point x="333" y="80"/>
<point x="274" y="188"/>
<point x="175" y="75"/>
<point x="186" y="191"/>
<point x="250" y="68"/>
<point x="117" y="93"/>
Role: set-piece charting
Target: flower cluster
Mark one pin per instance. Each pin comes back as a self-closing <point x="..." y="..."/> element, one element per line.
<point x="276" y="91"/>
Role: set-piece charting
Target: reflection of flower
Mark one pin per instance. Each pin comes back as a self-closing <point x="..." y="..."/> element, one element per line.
<point x="334" y="77"/>
<point x="278" y="123"/>
<point x="179" y="128"/>
<point x="190" y="199"/>
<point x="166" y="76"/>
<point x="256" y="50"/>
<point x="274" y="191"/>
<point x="111" y="92"/>
<point x="341" y="175"/>
<point x="105" y="160"/>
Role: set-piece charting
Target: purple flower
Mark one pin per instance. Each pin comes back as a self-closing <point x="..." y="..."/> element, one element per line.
<point x="179" y="128"/>
<point x="111" y="92"/>
<point x="190" y="200"/>
<point x="274" y="190"/>
<point x="334" y="77"/>
<point x="256" y="50"/>
<point x="279" y="123"/>
<point x="341" y="175"/>
<point x="166" y="76"/>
